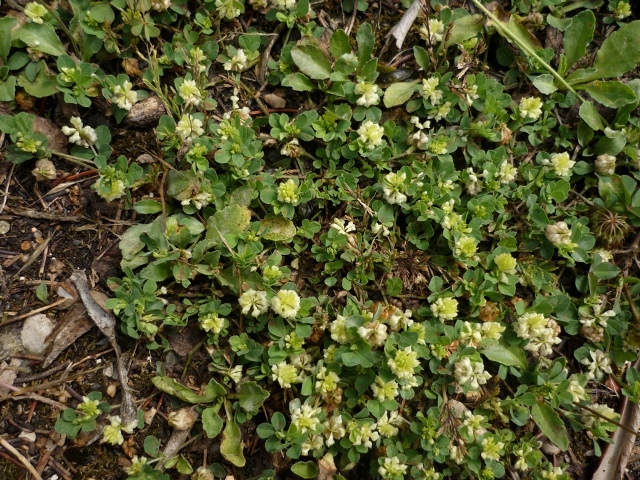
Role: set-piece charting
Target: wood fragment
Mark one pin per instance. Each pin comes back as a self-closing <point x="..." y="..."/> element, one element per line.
<point x="29" y="213"/>
<point x="107" y="323"/>
<point x="20" y="457"/>
<point x="401" y="29"/>
<point x="614" y="461"/>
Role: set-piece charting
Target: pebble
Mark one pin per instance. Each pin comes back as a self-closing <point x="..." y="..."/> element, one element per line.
<point x="34" y="333"/>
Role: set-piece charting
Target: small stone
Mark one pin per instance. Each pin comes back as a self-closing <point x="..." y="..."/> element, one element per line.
<point x="275" y="101"/>
<point x="146" y="158"/>
<point x="57" y="141"/>
<point x="146" y="112"/>
<point x="4" y="227"/>
<point x="550" y="449"/>
<point x="34" y="333"/>
<point x="25" y="246"/>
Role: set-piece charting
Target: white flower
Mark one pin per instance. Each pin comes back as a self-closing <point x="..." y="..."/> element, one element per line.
<point x="190" y="93"/>
<point x="470" y="374"/>
<point x="124" y="96"/>
<point x="384" y="390"/>
<point x="404" y="363"/>
<point x="491" y="450"/>
<point x="45" y="170"/>
<point x="254" y="300"/>
<point x="374" y="333"/>
<point x="561" y="163"/>
<point x="445" y="308"/>
<point x="285" y="374"/>
<point x="160" y="5"/>
<point x="284" y="4"/>
<point x="592" y="420"/>
<point x="393" y="186"/>
<point x="326" y="381"/>
<point x="441" y="112"/>
<point x="435" y="31"/>
<point x="605" y="164"/>
<point x="333" y="429"/>
<point x="189" y="127"/>
<point x="507" y="172"/>
<point x="369" y="94"/>
<point x="552" y="473"/>
<point x="392" y="468"/>
<point x="229" y="9"/>
<point x="577" y="390"/>
<point x="466" y="247"/>
<point x="306" y="418"/>
<point x="558" y="233"/>
<point x="339" y="330"/>
<point x="474" y="185"/>
<point x="541" y="332"/>
<point x="363" y="433"/>
<point x="288" y="192"/>
<point x="388" y="424"/>
<point x="398" y="319"/>
<point x="598" y="365"/>
<point x="212" y="323"/>
<point x="35" y="12"/>
<point x="112" y="433"/>
<point x="430" y="90"/>
<point x="377" y="228"/>
<point x="79" y="134"/>
<point x="286" y="303"/>
<point x="313" y="442"/>
<point x="291" y="149"/>
<point x="238" y="62"/>
<point x="342" y="228"/>
<point x="370" y="135"/>
<point x="530" y="107"/>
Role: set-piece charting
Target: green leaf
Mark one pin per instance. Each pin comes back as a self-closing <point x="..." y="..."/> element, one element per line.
<point x="365" y="40"/>
<point x="151" y="446"/>
<point x="8" y="89"/>
<point x="422" y="57"/>
<point x="42" y="37"/>
<point x="393" y="286"/>
<point x="399" y="93"/>
<point x="231" y="446"/>
<point x="618" y="54"/>
<point x="41" y="292"/>
<point x="211" y="421"/>
<point x="172" y="387"/>
<point x="610" y="94"/>
<point x="301" y="83"/>
<point x="312" y="61"/>
<point x="464" y="28"/>
<point x="339" y="43"/>
<point x="550" y="424"/>
<point x="251" y="396"/>
<point x="306" y="469"/>
<point x="506" y="355"/>
<point x="544" y="83"/>
<point x="590" y="115"/>
<point x="147" y="207"/>
<point x="6" y="26"/>
<point x="277" y="228"/>
<point x="605" y="270"/>
<point x="227" y="224"/>
<point x="578" y="35"/>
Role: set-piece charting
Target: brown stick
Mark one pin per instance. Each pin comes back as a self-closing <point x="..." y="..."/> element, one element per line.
<point x="20" y="457"/>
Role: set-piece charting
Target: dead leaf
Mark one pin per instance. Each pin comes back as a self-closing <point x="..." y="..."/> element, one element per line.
<point x="8" y="373"/>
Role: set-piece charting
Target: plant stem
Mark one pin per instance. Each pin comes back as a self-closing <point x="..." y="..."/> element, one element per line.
<point x="73" y="159"/>
<point x="505" y="32"/>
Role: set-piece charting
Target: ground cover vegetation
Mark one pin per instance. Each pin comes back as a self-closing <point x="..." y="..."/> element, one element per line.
<point x="415" y="262"/>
